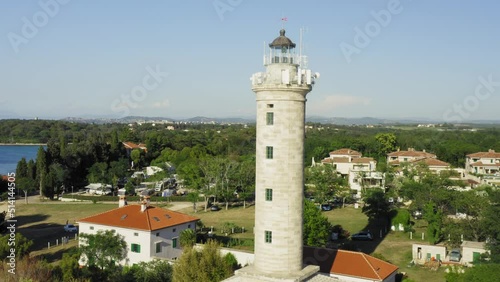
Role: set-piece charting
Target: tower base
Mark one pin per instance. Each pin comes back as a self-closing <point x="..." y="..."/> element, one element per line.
<point x="250" y="274"/>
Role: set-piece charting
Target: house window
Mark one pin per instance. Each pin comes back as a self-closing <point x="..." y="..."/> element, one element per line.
<point x="269" y="236"/>
<point x="269" y="194"/>
<point x="270" y="118"/>
<point x="157" y="234"/>
<point x="174" y="243"/>
<point x="135" y="248"/>
<point x="173" y="230"/>
<point x="158" y="247"/>
<point x="270" y="106"/>
<point x="91" y="227"/>
<point x="189" y="225"/>
<point x="269" y="152"/>
<point x="136" y="234"/>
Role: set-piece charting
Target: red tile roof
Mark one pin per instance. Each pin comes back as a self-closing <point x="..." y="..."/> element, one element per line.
<point x="131" y="145"/>
<point x="432" y="162"/>
<point x="348" y="263"/>
<point x="411" y="153"/>
<point x="130" y="216"/>
<point x="362" y="160"/>
<point x="485" y="165"/>
<point x="489" y="154"/>
<point x="346" y="151"/>
<point x="340" y="160"/>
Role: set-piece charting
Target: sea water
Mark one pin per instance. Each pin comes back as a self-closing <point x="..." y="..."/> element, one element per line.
<point x="10" y="155"/>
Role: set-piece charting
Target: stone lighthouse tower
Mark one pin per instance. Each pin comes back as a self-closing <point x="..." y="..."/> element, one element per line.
<point x="281" y="96"/>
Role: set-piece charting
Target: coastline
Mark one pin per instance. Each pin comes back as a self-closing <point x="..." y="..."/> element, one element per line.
<point x="23" y="144"/>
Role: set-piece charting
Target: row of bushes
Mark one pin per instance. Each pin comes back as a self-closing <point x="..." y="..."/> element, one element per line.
<point x="130" y="199"/>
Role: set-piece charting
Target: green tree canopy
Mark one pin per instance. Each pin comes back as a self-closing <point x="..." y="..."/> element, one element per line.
<point x="201" y="266"/>
<point x="103" y="249"/>
<point x="316" y="226"/>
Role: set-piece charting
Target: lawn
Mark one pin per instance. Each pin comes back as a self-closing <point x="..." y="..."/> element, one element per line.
<point x="394" y="246"/>
<point x="44" y="222"/>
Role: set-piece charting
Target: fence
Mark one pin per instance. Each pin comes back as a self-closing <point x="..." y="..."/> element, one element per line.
<point x="62" y="241"/>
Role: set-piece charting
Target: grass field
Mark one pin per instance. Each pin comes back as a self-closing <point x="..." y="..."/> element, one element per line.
<point x="44" y="222"/>
<point x="395" y="246"/>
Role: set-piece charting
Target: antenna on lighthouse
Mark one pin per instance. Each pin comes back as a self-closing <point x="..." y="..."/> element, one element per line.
<point x="303" y="60"/>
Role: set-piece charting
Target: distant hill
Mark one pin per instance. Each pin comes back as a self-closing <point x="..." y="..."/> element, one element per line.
<point x="250" y="120"/>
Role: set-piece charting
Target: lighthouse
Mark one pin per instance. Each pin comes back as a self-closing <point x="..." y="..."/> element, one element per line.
<point x="279" y="186"/>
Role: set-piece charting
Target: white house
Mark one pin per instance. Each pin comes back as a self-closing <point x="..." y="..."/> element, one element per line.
<point x="471" y="251"/>
<point x="483" y="162"/>
<point x="423" y="253"/>
<point x="359" y="170"/>
<point x="150" y="232"/>
<point x="398" y="157"/>
<point x="359" y="179"/>
<point x="433" y="164"/>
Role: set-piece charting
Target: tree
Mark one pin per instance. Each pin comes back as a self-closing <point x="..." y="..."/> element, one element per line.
<point x="206" y="265"/>
<point x="187" y="238"/>
<point x="193" y="198"/>
<point x="434" y="218"/>
<point x="316" y="226"/>
<point x="103" y="249"/>
<point x="376" y="204"/>
<point x="22" y="246"/>
<point x="135" y="155"/>
<point x="326" y="182"/>
<point x="491" y="224"/>
<point x="387" y="142"/>
<point x="153" y="271"/>
<point x="41" y="169"/>
<point x="478" y="273"/>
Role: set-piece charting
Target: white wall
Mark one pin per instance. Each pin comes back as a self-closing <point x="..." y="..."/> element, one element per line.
<point x="425" y="249"/>
<point x="147" y="241"/>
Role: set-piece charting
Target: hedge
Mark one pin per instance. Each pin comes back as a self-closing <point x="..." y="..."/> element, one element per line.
<point x="130" y="199"/>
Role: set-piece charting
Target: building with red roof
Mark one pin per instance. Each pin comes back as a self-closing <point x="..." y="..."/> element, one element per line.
<point x="352" y="266"/>
<point x="150" y="232"/>
<point x="483" y="162"/>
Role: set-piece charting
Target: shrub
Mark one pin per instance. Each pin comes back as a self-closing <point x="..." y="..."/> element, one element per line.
<point x="401" y="217"/>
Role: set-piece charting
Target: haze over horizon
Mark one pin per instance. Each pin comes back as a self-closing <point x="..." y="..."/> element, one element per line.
<point x="180" y="59"/>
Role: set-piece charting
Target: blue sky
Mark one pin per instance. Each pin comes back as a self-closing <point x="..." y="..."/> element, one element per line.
<point x="425" y="59"/>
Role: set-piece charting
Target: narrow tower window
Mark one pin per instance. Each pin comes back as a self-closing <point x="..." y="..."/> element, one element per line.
<point x="269" y="152"/>
<point x="269" y="236"/>
<point x="270" y="106"/>
<point x="270" y="118"/>
<point x="269" y="194"/>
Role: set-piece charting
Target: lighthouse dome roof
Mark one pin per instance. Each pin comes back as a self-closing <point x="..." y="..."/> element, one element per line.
<point x="282" y="41"/>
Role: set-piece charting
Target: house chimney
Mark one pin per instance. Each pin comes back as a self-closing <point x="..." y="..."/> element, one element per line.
<point x="144" y="203"/>
<point x="423" y="150"/>
<point x="122" y="201"/>
<point x="491" y="151"/>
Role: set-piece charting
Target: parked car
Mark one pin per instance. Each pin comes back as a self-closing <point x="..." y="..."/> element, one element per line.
<point x="455" y="255"/>
<point x="70" y="228"/>
<point x="214" y="208"/>
<point x="417" y="214"/>
<point x="362" y="236"/>
<point x="326" y="207"/>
